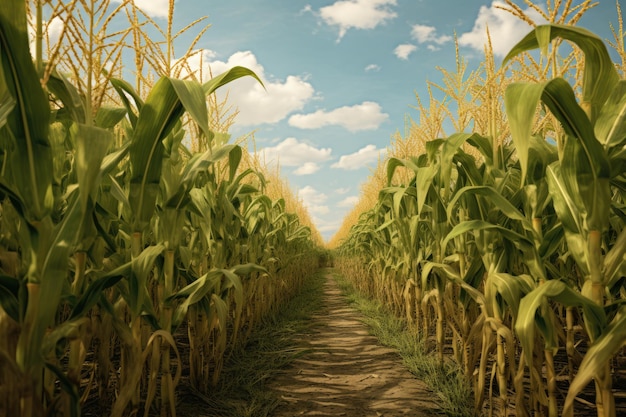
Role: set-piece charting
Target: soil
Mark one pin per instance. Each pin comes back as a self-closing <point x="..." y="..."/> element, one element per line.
<point x="347" y="372"/>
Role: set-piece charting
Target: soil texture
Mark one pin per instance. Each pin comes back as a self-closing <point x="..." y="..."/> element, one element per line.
<point x="346" y="372"/>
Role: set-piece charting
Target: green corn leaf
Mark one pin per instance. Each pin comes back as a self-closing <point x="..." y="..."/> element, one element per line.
<point x="510" y="288"/>
<point x="394" y="163"/>
<point x="211" y="284"/>
<point x="30" y="164"/>
<point x="158" y="116"/>
<point x="454" y="276"/>
<point x="108" y="117"/>
<point x="599" y="75"/>
<point x="52" y="279"/>
<point x="449" y="149"/>
<point x="90" y="296"/>
<point x="615" y="261"/>
<point x="531" y="306"/>
<point x="92" y="144"/>
<point x="62" y="89"/>
<point x="495" y="198"/>
<point x="226" y="77"/>
<point x="521" y="101"/>
<point x="234" y="159"/>
<point x="610" y="127"/>
<point x="126" y="93"/>
<point x="602" y="350"/>
<point x="484" y="146"/>
<point x="141" y="267"/>
<point x="424" y="181"/>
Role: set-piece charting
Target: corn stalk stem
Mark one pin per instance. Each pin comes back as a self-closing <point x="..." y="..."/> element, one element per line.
<point x="551" y="384"/>
<point x="39" y="38"/>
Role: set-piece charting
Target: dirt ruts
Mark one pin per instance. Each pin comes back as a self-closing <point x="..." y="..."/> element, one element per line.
<point x="347" y="372"/>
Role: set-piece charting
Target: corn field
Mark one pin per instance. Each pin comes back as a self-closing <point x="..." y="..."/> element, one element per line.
<point x="504" y="243"/>
<point x="134" y="238"/>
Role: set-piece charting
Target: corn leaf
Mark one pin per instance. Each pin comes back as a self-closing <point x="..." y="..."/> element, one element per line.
<point x="62" y="89"/>
<point x="92" y="144"/>
<point x="228" y="76"/>
<point x="611" y="125"/>
<point x="599" y="77"/>
<point x="558" y="291"/>
<point x="126" y="93"/>
<point x="141" y="267"/>
<point x="599" y="354"/>
<point x="30" y="164"/>
<point x="52" y="279"/>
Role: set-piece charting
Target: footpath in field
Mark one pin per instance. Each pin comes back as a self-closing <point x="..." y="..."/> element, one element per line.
<point x="347" y="373"/>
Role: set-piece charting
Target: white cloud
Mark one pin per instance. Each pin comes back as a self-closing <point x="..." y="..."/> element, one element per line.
<point x="403" y="51"/>
<point x="310" y="195"/>
<point x="348" y="201"/>
<point x="428" y="34"/>
<point x="153" y="8"/>
<point x="54" y="29"/>
<point x="365" y="116"/>
<point x="257" y="105"/>
<point x="314" y="200"/>
<point x="357" y="14"/>
<point x="342" y="191"/>
<point x="318" y="210"/>
<point x="433" y="47"/>
<point x="52" y="33"/>
<point x="307" y="169"/>
<point x="291" y="153"/>
<point x="372" y="67"/>
<point x="504" y="28"/>
<point x="359" y="159"/>
<point x="328" y="227"/>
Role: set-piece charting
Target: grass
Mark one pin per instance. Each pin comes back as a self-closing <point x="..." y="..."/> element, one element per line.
<point x="243" y="391"/>
<point x="447" y="381"/>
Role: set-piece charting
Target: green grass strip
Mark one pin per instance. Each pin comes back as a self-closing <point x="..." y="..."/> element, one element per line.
<point x="447" y="381"/>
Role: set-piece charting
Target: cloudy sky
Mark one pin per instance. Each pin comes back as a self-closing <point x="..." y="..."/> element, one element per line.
<point x="341" y="76"/>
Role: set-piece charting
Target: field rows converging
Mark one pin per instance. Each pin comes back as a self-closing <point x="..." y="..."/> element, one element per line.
<point x="155" y="262"/>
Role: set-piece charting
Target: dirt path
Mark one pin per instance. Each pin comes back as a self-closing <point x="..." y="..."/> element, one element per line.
<point x="348" y="373"/>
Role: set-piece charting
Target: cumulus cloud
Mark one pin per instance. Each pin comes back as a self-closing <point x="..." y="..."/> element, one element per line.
<point x="314" y="200"/>
<point x="328" y="227"/>
<point x="292" y="153"/>
<point x="153" y="8"/>
<point x="307" y="169"/>
<point x="348" y="201"/>
<point x="428" y="34"/>
<point x="342" y="191"/>
<point x="403" y="51"/>
<point x="357" y="14"/>
<point x="372" y="67"/>
<point x="257" y="105"/>
<point x="365" y="116"/>
<point x="359" y="159"/>
<point x="504" y="28"/>
<point x="52" y="33"/>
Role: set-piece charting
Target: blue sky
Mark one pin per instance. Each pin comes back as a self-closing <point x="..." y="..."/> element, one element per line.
<point x="341" y="76"/>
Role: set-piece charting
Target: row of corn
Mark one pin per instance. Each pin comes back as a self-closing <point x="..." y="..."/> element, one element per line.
<point x="124" y="256"/>
<point x="511" y="255"/>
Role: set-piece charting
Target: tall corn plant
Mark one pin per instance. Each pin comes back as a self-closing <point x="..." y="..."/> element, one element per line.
<point x="580" y="182"/>
<point x="29" y="183"/>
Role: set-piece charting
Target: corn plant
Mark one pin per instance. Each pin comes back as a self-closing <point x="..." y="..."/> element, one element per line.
<point x="514" y="229"/>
